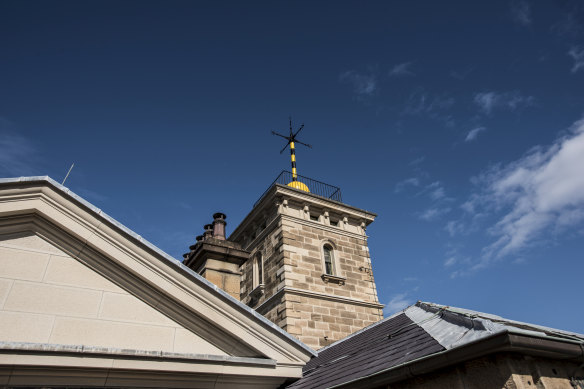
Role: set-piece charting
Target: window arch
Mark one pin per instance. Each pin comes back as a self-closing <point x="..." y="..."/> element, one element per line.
<point x="258" y="270"/>
<point x="329" y="259"/>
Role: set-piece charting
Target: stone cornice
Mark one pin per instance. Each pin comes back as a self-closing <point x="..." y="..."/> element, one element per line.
<point x="262" y="235"/>
<point x="214" y="249"/>
<point x="91" y="351"/>
<point x="302" y="292"/>
<point x="278" y="190"/>
<point x="82" y="366"/>
<point x="112" y="250"/>
<point x="324" y="227"/>
<point x="305" y="197"/>
<point x="310" y="223"/>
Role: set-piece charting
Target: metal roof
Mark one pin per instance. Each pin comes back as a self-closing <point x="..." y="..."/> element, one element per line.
<point x="388" y="343"/>
<point x="420" y="332"/>
<point x="457" y="326"/>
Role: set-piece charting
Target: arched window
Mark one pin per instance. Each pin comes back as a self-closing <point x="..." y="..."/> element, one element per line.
<point x="258" y="270"/>
<point x="329" y="259"/>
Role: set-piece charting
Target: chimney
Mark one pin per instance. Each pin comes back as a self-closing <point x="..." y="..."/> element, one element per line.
<point x="208" y="231"/>
<point x="219" y="225"/>
<point x="217" y="259"/>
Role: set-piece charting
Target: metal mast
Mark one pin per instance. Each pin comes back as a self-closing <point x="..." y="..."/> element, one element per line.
<point x="291" y="141"/>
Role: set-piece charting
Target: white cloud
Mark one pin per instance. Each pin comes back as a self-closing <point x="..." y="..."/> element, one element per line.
<point x="433" y="213"/>
<point x="437" y="193"/>
<point x="450" y="261"/>
<point x="542" y="191"/>
<point x="489" y="101"/>
<point x="363" y="84"/>
<point x="469" y="205"/>
<point x="420" y="102"/>
<point x="519" y="261"/>
<point x="577" y="54"/>
<point x="521" y="12"/>
<point x="417" y="161"/>
<point x="397" y="303"/>
<point x="474" y="133"/>
<point x="570" y="218"/>
<point x="417" y="102"/>
<point x="454" y="227"/>
<point x="402" y="69"/>
<point x="486" y="101"/>
<point x="400" y="186"/>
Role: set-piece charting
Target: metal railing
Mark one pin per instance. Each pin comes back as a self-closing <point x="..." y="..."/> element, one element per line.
<point x="314" y="186"/>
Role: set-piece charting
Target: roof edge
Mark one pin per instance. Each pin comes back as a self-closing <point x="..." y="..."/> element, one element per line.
<point x="91" y="351"/>
<point x="500" y="342"/>
<point x="517" y="326"/>
<point x="178" y="265"/>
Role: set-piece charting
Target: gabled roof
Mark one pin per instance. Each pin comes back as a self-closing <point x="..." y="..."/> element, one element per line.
<point x="425" y="337"/>
<point x="162" y="255"/>
<point x="41" y="205"/>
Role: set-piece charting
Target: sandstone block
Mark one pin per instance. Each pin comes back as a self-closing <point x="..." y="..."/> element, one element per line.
<point x="22" y="265"/>
<point x="53" y="299"/>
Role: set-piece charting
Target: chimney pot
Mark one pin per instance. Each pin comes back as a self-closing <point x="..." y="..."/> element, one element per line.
<point x="219" y="225"/>
<point x="208" y="231"/>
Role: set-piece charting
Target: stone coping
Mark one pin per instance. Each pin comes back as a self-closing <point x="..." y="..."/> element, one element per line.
<point x="48" y="348"/>
<point x="306" y="293"/>
<point x="46" y="180"/>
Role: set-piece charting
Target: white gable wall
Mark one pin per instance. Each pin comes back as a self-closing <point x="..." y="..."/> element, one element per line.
<point x="46" y="296"/>
<point x="84" y="301"/>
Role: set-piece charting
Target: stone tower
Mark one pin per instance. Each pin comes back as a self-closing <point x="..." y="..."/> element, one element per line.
<point x="309" y="269"/>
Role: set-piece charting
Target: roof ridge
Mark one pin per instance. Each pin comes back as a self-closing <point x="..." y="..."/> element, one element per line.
<point x="501" y="320"/>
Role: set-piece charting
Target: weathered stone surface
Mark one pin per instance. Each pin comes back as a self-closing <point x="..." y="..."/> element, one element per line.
<point x="505" y="371"/>
<point x="62" y="301"/>
<point x="316" y="309"/>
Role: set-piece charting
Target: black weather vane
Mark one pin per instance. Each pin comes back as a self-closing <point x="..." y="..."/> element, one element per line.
<point x="291" y="141"/>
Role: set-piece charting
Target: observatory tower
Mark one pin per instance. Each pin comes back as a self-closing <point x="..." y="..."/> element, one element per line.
<point x="309" y="269"/>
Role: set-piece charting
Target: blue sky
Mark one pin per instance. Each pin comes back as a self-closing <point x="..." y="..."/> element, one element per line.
<point x="459" y="123"/>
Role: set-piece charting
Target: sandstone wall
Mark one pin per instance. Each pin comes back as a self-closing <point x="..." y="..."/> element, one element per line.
<point x="298" y="296"/>
<point x="304" y="244"/>
<point x="319" y="322"/>
<point x="224" y="275"/>
<point x="504" y="371"/>
<point x="47" y="296"/>
<point x="269" y="244"/>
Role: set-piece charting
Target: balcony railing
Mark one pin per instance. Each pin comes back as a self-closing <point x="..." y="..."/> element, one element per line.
<point x="315" y="187"/>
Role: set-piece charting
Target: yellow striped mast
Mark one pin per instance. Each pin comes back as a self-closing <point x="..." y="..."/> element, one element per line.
<point x="291" y="141"/>
<point x="293" y="156"/>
